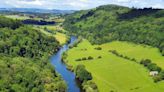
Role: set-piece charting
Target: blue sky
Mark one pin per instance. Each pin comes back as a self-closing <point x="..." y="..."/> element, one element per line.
<point x="77" y="4"/>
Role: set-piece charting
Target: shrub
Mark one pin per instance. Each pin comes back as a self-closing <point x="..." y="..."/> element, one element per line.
<point x="90" y="58"/>
<point x="84" y="58"/>
<point x="133" y="59"/>
<point x="162" y="74"/>
<point x="98" y="48"/>
<point x="64" y="55"/>
<point x="99" y="57"/>
<point x="114" y="52"/>
<point x="82" y="74"/>
<point x="121" y="55"/>
<point x="126" y="57"/>
<point x="145" y="62"/>
<point x="90" y="86"/>
<point x="153" y="67"/>
<point x="78" y="59"/>
<point x="157" y="78"/>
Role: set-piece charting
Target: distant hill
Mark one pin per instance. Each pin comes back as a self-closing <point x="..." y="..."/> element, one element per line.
<point x="33" y="10"/>
<point x="111" y="22"/>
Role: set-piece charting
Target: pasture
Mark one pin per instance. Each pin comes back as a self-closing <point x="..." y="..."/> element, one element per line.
<point x="61" y="37"/>
<point x="115" y="74"/>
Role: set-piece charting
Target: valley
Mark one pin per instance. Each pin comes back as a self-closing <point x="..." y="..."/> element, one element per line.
<point x="109" y="48"/>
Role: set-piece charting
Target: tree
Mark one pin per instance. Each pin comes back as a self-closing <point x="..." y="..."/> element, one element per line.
<point x="153" y="67"/>
<point x="82" y="74"/>
<point x="145" y="62"/>
<point x="90" y="58"/>
<point x="162" y="74"/>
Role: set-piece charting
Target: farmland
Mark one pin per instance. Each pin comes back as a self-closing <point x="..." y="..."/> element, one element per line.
<point x="111" y="73"/>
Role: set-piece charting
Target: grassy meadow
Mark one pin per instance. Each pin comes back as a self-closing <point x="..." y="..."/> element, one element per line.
<point x="115" y="74"/>
<point x="59" y="35"/>
<point x="138" y="52"/>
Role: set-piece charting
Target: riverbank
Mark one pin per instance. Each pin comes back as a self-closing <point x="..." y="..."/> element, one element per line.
<point x="60" y="67"/>
<point x="82" y="75"/>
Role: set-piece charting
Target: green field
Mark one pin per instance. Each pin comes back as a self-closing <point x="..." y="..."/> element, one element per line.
<point x="138" y="52"/>
<point x="61" y="37"/>
<point x="115" y="74"/>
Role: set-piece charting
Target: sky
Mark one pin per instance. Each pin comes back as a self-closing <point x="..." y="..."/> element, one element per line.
<point x="78" y="4"/>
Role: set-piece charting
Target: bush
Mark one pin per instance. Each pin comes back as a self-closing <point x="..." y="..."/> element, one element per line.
<point x="98" y="48"/>
<point x="90" y="86"/>
<point x="126" y="57"/>
<point x="99" y="57"/>
<point x="157" y="78"/>
<point x="153" y="67"/>
<point x="64" y="55"/>
<point x="162" y="74"/>
<point x="78" y="59"/>
<point x="133" y="59"/>
<point x="145" y="62"/>
<point x="82" y="74"/>
<point x="114" y="52"/>
<point x="84" y="58"/>
<point x="90" y="58"/>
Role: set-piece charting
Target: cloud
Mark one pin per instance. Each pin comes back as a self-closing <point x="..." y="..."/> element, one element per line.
<point x="124" y="1"/>
<point x="79" y="4"/>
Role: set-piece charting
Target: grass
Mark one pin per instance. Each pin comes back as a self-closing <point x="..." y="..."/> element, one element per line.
<point x="138" y="52"/>
<point x="61" y="37"/>
<point x="112" y="73"/>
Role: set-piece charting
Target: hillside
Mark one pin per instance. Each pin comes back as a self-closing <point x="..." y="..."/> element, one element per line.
<point x="110" y="22"/>
<point x="24" y="59"/>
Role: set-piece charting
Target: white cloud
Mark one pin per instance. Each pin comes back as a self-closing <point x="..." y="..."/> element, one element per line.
<point x="83" y="0"/>
<point x="79" y="4"/>
<point x="158" y="6"/>
<point x="124" y="1"/>
<point x="32" y="2"/>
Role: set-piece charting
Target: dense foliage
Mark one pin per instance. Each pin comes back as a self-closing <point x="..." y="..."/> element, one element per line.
<point x="10" y="23"/>
<point x="24" y="65"/>
<point x="82" y="74"/>
<point x="85" y="78"/>
<point x="26" y="75"/>
<point x="111" y="22"/>
<point x="26" y="42"/>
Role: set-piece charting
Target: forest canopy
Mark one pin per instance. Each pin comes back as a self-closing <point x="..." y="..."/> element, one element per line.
<point x="24" y="63"/>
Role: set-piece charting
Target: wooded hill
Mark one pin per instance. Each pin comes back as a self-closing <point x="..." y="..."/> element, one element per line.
<point x="24" y="59"/>
<point x="111" y="22"/>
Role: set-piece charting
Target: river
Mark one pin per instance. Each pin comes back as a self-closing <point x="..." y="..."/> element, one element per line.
<point x="60" y="67"/>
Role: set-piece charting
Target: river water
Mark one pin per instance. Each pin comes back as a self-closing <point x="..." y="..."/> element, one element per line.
<point x="60" y="67"/>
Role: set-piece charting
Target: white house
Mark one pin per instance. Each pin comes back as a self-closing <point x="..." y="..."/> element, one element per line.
<point x="153" y="73"/>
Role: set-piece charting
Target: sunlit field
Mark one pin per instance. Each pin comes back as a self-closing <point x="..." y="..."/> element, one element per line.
<point x="115" y="74"/>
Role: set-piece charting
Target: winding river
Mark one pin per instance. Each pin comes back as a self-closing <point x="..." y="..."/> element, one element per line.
<point x="60" y="67"/>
